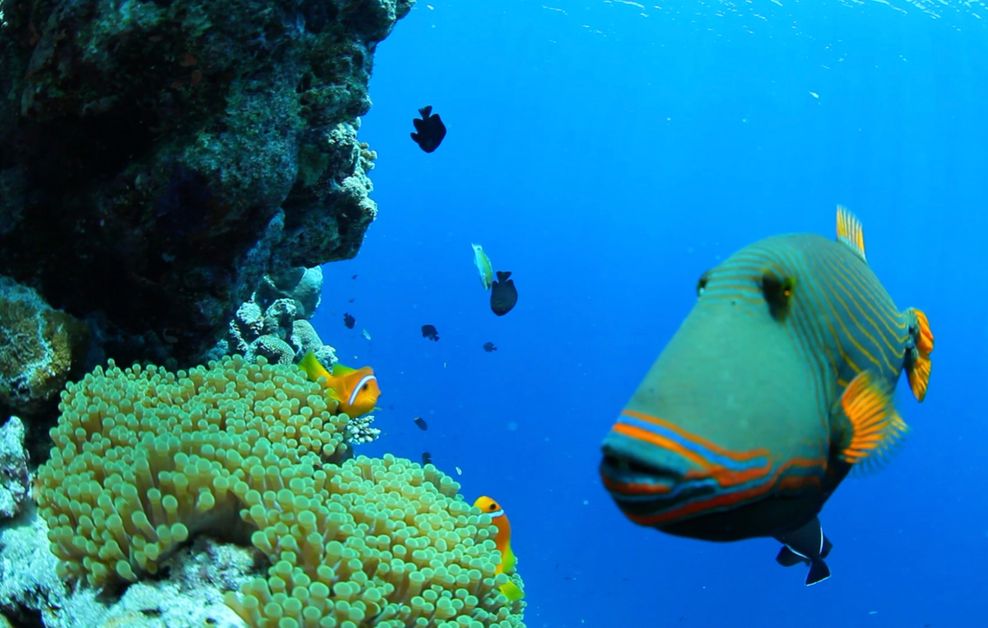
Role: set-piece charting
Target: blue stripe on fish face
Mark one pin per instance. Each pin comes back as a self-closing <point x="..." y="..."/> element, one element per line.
<point x="692" y="446"/>
<point x="366" y="379"/>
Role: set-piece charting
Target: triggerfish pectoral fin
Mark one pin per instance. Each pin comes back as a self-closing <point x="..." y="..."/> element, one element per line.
<point x="875" y="426"/>
<point x="918" y="364"/>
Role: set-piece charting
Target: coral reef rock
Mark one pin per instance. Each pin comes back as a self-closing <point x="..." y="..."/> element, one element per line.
<point x="15" y="479"/>
<point x="160" y="157"/>
<point x="39" y="348"/>
<point x="31" y="593"/>
<point x="273" y="323"/>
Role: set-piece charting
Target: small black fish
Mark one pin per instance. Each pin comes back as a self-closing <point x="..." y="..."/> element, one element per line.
<point x="430" y="332"/>
<point x="504" y="295"/>
<point x="349" y="320"/>
<point x="426" y="457"/>
<point x="489" y="346"/>
<point x="421" y="423"/>
<point x="354" y="277"/>
<point x="430" y="130"/>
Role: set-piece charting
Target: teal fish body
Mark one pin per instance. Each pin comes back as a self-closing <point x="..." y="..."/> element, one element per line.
<point x="776" y="384"/>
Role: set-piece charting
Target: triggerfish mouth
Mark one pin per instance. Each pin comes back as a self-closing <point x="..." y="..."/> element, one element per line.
<point x="776" y="385"/>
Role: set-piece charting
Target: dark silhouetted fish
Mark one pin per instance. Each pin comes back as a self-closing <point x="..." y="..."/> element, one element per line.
<point x="349" y="320"/>
<point x="419" y="421"/>
<point x="489" y="346"/>
<point x="430" y="332"/>
<point x="429" y="130"/>
<point x="426" y="457"/>
<point x="504" y="295"/>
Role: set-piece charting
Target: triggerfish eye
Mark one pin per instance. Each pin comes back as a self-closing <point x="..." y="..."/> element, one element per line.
<point x="777" y="384"/>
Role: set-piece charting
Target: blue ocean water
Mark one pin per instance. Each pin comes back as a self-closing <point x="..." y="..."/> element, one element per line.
<point x="607" y="153"/>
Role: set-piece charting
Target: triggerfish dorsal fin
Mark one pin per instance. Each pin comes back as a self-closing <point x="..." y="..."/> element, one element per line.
<point x="918" y="364"/>
<point x="875" y="426"/>
<point x="850" y="232"/>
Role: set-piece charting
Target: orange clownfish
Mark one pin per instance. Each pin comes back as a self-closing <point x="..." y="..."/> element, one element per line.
<point x="354" y="391"/>
<point x="503" y="541"/>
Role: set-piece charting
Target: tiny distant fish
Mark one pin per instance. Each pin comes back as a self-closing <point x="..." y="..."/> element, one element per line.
<point x="365" y="334"/>
<point x="349" y="320"/>
<point x="489" y="347"/>
<point x="419" y="421"/>
<point x="426" y="457"/>
<point x="354" y="277"/>
<point x="504" y="295"/>
<point x="430" y="332"/>
<point x="350" y="300"/>
<point x="429" y="130"/>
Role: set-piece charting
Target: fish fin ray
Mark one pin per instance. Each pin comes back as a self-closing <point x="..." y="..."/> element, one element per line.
<point x="850" y="232"/>
<point x="875" y="425"/>
<point x="919" y="366"/>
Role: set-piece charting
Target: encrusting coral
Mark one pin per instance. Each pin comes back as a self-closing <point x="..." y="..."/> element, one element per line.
<point x="144" y="458"/>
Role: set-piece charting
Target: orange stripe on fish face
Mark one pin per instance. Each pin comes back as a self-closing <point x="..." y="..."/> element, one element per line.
<point x="706" y="444"/>
<point x="725" y="501"/>
<point x="659" y="473"/>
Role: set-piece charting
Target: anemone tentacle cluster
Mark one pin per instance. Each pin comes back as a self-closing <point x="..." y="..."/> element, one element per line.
<point x="143" y="459"/>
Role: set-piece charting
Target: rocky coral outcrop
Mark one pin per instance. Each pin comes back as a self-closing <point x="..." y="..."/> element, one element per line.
<point x="273" y="323"/>
<point x="161" y="157"/>
<point x="40" y="347"/>
<point x="15" y="478"/>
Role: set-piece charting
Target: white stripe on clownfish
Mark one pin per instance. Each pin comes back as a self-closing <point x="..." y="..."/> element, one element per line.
<point x="366" y="379"/>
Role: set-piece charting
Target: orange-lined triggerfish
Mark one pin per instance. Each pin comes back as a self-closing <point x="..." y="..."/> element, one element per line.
<point x="503" y="542"/>
<point x="778" y="382"/>
<point x="353" y="391"/>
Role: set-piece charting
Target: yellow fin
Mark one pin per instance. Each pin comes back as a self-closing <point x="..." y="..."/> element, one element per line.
<point x="850" y="232"/>
<point x="508" y="560"/>
<point x="339" y="369"/>
<point x="875" y="425"/>
<point x="313" y="368"/>
<point x="920" y="365"/>
<point x="511" y="591"/>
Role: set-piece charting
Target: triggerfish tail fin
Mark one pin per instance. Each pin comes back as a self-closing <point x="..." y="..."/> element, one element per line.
<point x="918" y="363"/>
<point x="850" y="232"/>
<point x="788" y="558"/>
<point x="818" y="572"/>
<point x="511" y="591"/>
<point x="806" y="544"/>
<point x="875" y="426"/>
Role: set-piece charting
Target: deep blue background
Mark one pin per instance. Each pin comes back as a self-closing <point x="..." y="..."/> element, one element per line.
<point x="607" y="155"/>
